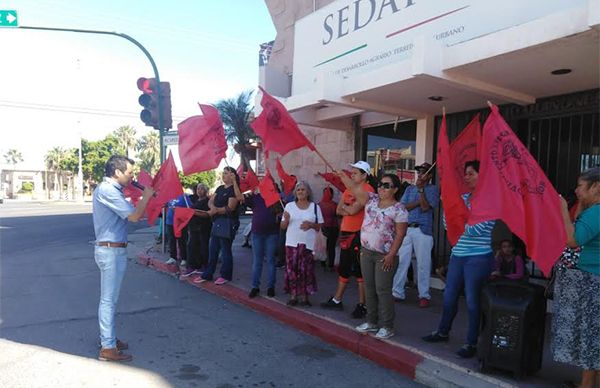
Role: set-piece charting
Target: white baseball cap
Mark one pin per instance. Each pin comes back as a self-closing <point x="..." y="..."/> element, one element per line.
<point x="362" y="165"/>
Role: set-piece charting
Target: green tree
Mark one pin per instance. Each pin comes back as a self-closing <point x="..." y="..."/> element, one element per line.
<point x="127" y="140"/>
<point x="94" y="157"/>
<point x="235" y="113"/>
<point x="207" y="177"/>
<point x="13" y="156"/>
<point x="54" y="160"/>
<point x="148" y="148"/>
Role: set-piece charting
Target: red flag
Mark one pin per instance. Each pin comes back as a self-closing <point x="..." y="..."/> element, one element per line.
<point x="464" y="148"/>
<point x="277" y="129"/>
<point x="455" y="210"/>
<point x="288" y="181"/>
<point x="334" y="180"/>
<point x="181" y="217"/>
<point x="248" y="182"/>
<point x="133" y="192"/>
<point x="513" y="187"/>
<point x="167" y="186"/>
<point x="144" y="178"/>
<point x="268" y="190"/>
<point x="202" y="142"/>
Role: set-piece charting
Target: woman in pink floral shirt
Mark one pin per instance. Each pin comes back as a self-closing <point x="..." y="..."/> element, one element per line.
<point x="381" y="235"/>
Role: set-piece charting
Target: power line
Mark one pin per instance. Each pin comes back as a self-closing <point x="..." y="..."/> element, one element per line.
<point x="74" y="109"/>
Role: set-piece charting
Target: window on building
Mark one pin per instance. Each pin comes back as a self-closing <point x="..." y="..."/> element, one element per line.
<point x="390" y="150"/>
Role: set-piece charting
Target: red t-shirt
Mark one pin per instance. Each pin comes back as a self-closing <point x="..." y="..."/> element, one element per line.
<point x="354" y="222"/>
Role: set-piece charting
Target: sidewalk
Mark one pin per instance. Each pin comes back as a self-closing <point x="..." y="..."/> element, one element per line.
<point x="433" y="365"/>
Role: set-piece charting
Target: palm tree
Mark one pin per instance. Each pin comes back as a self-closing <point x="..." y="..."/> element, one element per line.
<point x="149" y="152"/>
<point x="127" y="140"/>
<point x="13" y="156"/>
<point x="54" y="160"/>
<point x="235" y="113"/>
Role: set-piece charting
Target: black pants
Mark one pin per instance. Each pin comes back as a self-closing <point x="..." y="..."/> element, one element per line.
<point x="198" y="248"/>
<point x="175" y="242"/>
<point x="331" y="232"/>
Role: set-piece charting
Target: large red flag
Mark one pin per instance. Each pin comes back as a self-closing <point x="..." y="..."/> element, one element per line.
<point x="277" y="129"/>
<point x="181" y="217"/>
<point x="167" y="186"/>
<point x="248" y="182"/>
<point x="288" y="181"/>
<point x="202" y="142"/>
<point x="465" y="148"/>
<point x="512" y="187"/>
<point x="334" y="179"/>
<point x="455" y="210"/>
<point x="268" y="190"/>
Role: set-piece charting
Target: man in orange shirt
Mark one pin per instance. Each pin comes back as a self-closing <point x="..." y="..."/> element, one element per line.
<point x="352" y="217"/>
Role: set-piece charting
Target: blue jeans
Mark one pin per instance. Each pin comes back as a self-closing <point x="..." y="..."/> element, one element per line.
<point x="264" y="245"/>
<point x="112" y="263"/>
<point x="470" y="272"/>
<point x="222" y="245"/>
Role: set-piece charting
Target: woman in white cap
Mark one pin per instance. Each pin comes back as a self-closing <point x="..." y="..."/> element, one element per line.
<point x="352" y="213"/>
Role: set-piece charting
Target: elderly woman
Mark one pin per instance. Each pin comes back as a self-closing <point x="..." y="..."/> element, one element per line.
<point x="576" y="321"/>
<point x="381" y="234"/>
<point x="471" y="264"/>
<point x="302" y="218"/>
<point x="223" y="208"/>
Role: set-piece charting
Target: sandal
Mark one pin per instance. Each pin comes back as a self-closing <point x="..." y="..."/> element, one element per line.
<point x="292" y="302"/>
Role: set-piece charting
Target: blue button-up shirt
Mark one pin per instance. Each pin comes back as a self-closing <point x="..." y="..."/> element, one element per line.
<point x="423" y="218"/>
<point x="110" y="210"/>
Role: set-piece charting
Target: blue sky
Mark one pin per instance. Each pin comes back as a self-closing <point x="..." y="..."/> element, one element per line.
<point x="52" y="81"/>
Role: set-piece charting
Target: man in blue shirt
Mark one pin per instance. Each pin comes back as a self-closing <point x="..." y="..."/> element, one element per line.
<point x="420" y="200"/>
<point x="111" y="211"/>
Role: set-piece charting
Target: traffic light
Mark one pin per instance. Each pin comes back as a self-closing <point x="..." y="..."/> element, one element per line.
<point x="149" y="100"/>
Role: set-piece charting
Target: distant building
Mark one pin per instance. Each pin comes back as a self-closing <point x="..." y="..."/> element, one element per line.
<point x="46" y="184"/>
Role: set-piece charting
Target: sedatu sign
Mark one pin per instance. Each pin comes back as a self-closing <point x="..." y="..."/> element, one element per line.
<point x="349" y="37"/>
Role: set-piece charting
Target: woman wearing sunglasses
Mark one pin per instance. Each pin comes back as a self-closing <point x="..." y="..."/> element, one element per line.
<point x="383" y="229"/>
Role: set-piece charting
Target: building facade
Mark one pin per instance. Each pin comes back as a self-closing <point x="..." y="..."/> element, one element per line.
<point x="367" y="79"/>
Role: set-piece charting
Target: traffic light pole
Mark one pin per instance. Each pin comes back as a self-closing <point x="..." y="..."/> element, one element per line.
<point x="139" y="45"/>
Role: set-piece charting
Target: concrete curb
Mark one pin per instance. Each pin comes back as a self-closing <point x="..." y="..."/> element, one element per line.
<point x="419" y="366"/>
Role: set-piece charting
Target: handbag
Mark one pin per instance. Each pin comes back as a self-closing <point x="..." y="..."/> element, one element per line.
<point x="222" y="227"/>
<point x="568" y="260"/>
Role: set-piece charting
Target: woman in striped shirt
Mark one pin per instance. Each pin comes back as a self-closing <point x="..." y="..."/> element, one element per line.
<point x="471" y="263"/>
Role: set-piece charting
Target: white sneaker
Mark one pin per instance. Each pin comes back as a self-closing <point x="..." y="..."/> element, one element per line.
<point x="367" y="328"/>
<point x="171" y="261"/>
<point x="384" y="333"/>
<point x="183" y="263"/>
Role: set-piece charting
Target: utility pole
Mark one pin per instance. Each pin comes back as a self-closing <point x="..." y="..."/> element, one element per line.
<point x="139" y="45"/>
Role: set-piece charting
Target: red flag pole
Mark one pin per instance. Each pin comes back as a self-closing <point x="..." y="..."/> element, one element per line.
<point x="324" y="160"/>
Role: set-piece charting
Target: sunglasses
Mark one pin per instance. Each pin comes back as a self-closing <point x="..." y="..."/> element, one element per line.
<point x="385" y="185"/>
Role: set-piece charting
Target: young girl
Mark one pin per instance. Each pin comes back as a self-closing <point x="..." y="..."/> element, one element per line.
<point x="507" y="264"/>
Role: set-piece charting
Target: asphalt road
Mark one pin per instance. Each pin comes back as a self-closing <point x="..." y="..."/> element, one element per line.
<point x="179" y="336"/>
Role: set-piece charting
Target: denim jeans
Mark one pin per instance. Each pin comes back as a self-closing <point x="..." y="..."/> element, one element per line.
<point x="472" y="272"/>
<point x="112" y="263"/>
<point x="264" y="245"/>
<point x="222" y="245"/>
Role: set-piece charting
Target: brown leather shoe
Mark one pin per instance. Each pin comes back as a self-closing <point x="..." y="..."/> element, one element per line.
<point x="112" y="354"/>
<point x="122" y="345"/>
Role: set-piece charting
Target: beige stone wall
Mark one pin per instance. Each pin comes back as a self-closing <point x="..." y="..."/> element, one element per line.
<point x="284" y="14"/>
<point x="335" y="145"/>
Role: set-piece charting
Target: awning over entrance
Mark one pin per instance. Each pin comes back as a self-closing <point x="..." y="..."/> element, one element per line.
<point x="460" y="60"/>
